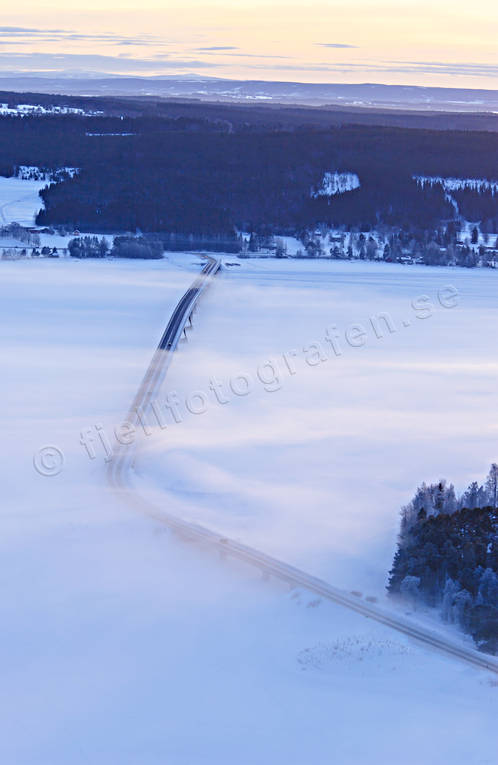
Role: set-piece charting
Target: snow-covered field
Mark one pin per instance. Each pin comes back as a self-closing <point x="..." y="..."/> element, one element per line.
<point x="337" y="183"/>
<point x="121" y="644"/>
<point x="20" y="203"/>
<point x="19" y="200"/>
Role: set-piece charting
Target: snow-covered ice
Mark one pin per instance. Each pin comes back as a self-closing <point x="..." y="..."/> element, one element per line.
<point x="120" y="643"/>
<point x="341" y="442"/>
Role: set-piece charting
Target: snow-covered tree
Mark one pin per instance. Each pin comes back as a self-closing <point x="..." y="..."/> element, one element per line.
<point x="492" y="485"/>
<point x="409" y="588"/>
<point x="448" y="601"/>
<point x="488" y="588"/>
<point x="462" y="607"/>
<point x="474" y="496"/>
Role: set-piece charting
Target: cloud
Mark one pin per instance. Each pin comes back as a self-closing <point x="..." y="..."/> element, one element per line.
<point x="22" y="35"/>
<point x="236" y="52"/>
<point x="24" y="63"/>
<point x="196" y="58"/>
<point x="27" y="31"/>
<point x="216" y="48"/>
<point x="364" y="68"/>
<point x="443" y="67"/>
<point x="335" y="45"/>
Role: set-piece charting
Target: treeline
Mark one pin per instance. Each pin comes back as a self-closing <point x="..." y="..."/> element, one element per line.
<point x="445" y="245"/>
<point x="149" y="247"/>
<point x="447" y="556"/>
<point x="139" y="248"/>
<point x="225" y="242"/>
<point x="88" y="247"/>
<point x="254" y="116"/>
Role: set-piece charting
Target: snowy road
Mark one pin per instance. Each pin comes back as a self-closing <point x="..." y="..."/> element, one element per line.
<point x="120" y="474"/>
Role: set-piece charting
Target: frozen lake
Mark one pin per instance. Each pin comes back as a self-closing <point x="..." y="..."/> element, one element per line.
<point x="333" y="436"/>
<point x="119" y="640"/>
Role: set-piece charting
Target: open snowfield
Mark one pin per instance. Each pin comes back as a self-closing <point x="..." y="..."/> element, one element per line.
<point x="19" y="201"/>
<point x="120" y="644"/>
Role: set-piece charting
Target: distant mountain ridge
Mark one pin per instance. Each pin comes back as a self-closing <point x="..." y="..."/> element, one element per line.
<point x="365" y="95"/>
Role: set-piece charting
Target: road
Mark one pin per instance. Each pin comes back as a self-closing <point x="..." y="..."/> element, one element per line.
<point x="120" y="472"/>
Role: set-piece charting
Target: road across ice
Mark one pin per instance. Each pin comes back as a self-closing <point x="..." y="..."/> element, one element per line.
<point x="107" y="619"/>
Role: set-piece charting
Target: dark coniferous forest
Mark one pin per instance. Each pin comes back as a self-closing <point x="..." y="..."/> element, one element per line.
<point x="206" y="177"/>
<point x="447" y="556"/>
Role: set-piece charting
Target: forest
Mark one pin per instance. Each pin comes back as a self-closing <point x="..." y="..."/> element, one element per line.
<point x="447" y="556"/>
<point x="187" y="176"/>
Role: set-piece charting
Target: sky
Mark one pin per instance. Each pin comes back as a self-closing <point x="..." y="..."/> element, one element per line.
<point x="451" y="44"/>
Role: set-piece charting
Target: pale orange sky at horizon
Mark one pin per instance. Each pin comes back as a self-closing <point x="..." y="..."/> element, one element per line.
<point x="403" y="42"/>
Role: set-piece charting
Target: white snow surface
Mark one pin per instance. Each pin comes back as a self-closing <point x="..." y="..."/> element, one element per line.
<point x="336" y="183"/>
<point x="458" y="184"/>
<point x="22" y="110"/>
<point x="120" y="643"/>
<point x="33" y="172"/>
<point x="345" y="441"/>
<point x="19" y="200"/>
